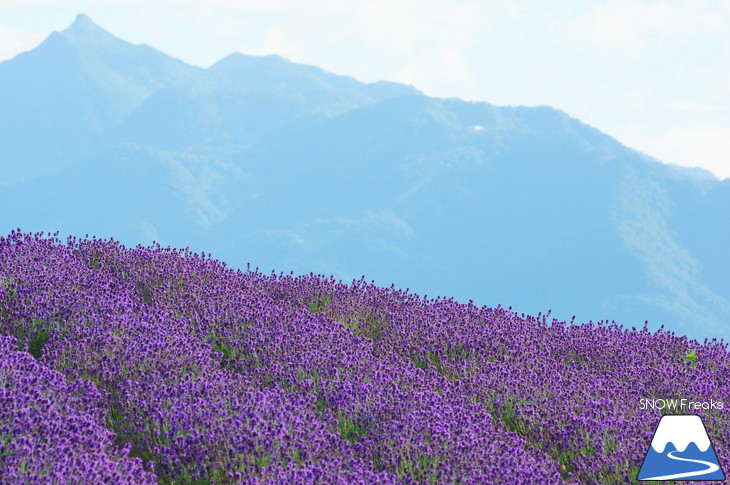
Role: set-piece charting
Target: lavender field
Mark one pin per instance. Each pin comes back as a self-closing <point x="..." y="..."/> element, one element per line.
<point x="156" y="365"/>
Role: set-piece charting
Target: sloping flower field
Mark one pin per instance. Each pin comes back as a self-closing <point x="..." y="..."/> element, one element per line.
<point x="154" y="365"/>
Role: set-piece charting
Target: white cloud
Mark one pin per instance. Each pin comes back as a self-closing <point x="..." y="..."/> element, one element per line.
<point x="626" y="30"/>
<point x="14" y="41"/>
<point x="707" y="146"/>
<point x="383" y="220"/>
<point x="697" y="107"/>
<point x="149" y="232"/>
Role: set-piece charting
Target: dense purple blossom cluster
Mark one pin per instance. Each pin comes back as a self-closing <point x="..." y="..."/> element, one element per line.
<point x="157" y="365"/>
<point x="50" y="430"/>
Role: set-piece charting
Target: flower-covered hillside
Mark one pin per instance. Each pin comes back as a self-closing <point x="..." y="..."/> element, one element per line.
<point x="158" y="365"/>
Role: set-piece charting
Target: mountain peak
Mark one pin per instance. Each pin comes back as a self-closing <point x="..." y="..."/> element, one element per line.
<point x="86" y="38"/>
<point x="83" y="32"/>
<point x="237" y="60"/>
<point x="84" y="24"/>
<point x="82" y="19"/>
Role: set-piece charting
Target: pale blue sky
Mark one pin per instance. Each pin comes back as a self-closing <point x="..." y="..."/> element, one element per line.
<point x="653" y="74"/>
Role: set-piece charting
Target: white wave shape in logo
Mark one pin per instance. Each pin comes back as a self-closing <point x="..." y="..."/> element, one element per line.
<point x="680" y="430"/>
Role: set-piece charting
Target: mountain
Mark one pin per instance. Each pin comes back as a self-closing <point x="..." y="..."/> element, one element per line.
<point x="292" y="168"/>
<point x="58" y="99"/>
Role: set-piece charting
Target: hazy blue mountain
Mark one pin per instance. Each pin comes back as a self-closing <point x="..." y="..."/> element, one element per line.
<point x="289" y="167"/>
<point x="59" y="99"/>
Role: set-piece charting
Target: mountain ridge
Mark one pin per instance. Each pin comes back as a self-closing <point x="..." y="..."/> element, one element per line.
<point x="258" y="159"/>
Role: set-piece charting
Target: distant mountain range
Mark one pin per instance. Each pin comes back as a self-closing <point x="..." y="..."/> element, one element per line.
<point x="289" y="167"/>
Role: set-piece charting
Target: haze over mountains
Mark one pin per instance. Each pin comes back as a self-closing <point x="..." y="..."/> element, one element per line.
<point x="288" y="167"/>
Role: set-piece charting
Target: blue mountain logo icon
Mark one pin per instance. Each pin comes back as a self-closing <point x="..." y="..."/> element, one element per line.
<point x="681" y="450"/>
